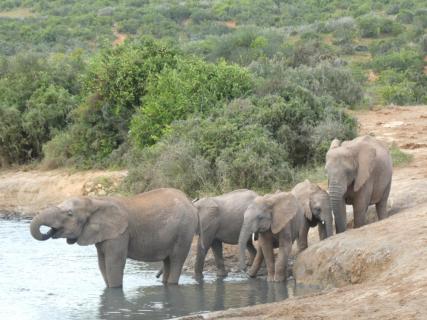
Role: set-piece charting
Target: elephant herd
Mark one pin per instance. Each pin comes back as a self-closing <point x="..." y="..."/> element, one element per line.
<point x="159" y="225"/>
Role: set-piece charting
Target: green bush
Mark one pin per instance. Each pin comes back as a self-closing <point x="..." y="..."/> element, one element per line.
<point x="254" y="143"/>
<point x="371" y="26"/>
<point x="324" y="79"/>
<point x="193" y="86"/>
<point x="404" y="60"/>
<point x="113" y="88"/>
<point x="405" y="16"/>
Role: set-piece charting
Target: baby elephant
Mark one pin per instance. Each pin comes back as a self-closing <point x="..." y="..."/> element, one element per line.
<point x="220" y="220"/>
<point x="316" y="211"/>
<point x="272" y="216"/>
<point x="154" y="226"/>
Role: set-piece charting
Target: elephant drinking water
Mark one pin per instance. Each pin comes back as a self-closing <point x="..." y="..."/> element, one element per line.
<point x="154" y="226"/>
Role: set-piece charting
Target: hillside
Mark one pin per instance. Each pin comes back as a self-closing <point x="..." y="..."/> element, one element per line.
<point x="222" y="88"/>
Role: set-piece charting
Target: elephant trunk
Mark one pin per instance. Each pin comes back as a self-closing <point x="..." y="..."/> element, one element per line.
<point x="328" y="227"/>
<point x="244" y="236"/>
<point x="336" y="193"/>
<point x="38" y="221"/>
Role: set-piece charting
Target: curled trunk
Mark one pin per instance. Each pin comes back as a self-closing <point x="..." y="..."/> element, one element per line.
<point x="36" y="223"/>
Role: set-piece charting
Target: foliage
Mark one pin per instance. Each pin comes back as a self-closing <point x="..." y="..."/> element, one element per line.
<point x="202" y="95"/>
<point x="192" y="86"/>
<point x="113" y="88"/>
<point x="254" y="143"/>
<point x="399" y="157"/>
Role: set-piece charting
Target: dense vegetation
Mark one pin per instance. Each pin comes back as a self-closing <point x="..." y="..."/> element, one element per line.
<point x="203" y="95"/>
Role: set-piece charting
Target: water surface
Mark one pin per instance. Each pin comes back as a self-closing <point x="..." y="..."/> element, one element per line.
<point x="54" y="280"/>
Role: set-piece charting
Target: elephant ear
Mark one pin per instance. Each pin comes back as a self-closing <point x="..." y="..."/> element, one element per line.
<point x="366" y="162"/>
<point x="335" y="144"/>
<point x="106" y="221"/>
<point x="307" y="209"/>
<point x="284" y="208"/>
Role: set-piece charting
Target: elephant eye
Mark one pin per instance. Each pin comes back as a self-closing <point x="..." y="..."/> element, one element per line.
<point x="69" y="213"/>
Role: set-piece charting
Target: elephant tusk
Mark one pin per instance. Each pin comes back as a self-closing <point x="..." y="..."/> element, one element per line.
<point x="323" y="221"/>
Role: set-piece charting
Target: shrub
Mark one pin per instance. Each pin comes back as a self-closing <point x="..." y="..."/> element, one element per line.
<point x="193" y="86"/>
<point x="324" y="79"/>
<point x="403" y="60"/>
<point x="400" y="94"/>
<point x="113" y="87"/>
<point x="405" y="16"/>
<point x="253" y="143"/>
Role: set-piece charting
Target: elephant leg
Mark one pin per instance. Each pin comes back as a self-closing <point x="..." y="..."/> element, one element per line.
<point x="200" y="259"/>
<point x="219" y="259"/>
<point x="252" y="252"/>
<point x="359" y="213"/>
<point x="178" y="256"/>
<point x="381" y="206"/>
<point x="285" y="246"/>
<point x="266" y="243"/>
<point x="302" y="241"/>
<point x="115" y="251"/>
<point x="101" y="263"/>
<point x="256" y="265"/>
<point x="166" y="269"/>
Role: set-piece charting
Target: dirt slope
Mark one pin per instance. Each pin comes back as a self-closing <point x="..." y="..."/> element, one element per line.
<point x="378" y="271"/>
<point x="23" y="193"/>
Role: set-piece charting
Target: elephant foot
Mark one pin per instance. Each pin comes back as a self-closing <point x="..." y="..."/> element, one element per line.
<point x="221" y="273"/>
<point x="270" y="278"/>
<point x="279" y="278"/>
<point x="251" y="273"/>
<point x="198" y="276"/>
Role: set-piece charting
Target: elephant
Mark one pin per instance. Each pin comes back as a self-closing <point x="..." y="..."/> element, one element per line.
<point x="359" y="174"/>
<point x="220" y="221"/>
<point x="272" y="216"/>
<point x="317" y="211"/>
<point x="158" y="225"/>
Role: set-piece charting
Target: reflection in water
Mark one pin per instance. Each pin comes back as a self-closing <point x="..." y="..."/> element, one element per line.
<point x="161" y="302"/>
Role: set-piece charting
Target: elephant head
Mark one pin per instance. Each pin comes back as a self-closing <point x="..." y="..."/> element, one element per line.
<point x="82" y="220"/>
<point x="320" y="209"/>
<point x="267" y="213"/>
<point x="348" y="165"/>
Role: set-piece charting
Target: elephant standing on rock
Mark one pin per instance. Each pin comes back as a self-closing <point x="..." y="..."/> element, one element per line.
<point x="359" y="173"/>
<point x="316" y="209"/>
<point x="220" y="221"/>
<point x="154" y="226"/>
<point x="272" y="216"/>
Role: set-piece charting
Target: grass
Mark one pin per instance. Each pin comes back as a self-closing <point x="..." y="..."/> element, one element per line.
<point x="315" y="174"/>
<point x="399" y="157"/>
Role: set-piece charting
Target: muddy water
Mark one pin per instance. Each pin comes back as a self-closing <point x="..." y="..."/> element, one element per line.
<point x="53" y="280"/>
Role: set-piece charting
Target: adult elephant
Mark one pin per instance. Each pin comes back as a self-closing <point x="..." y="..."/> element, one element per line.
<point x="271" y="216"/>
<point x="317" y="211"/>
<point x="220" y="220"/>
<point x="154" y="226"/>
<point x="359" y="173"/>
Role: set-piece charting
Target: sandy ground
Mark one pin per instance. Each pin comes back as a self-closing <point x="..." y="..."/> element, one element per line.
<point x="378" y="271"/>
